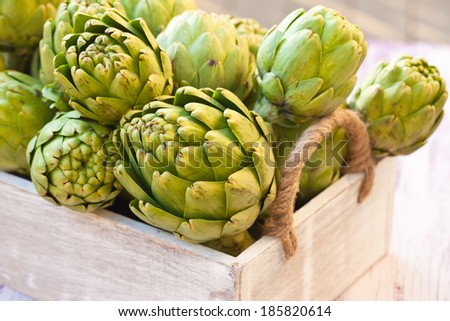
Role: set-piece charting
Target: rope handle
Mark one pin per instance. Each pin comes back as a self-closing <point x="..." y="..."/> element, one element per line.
<point x="359" y="159"/>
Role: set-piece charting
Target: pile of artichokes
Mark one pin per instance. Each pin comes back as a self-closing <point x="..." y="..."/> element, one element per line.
<point x="188" y="115"/>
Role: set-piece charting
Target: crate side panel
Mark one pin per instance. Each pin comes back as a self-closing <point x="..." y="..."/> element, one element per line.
<point x="52" y="253"/>
<point x="336" y="245"/>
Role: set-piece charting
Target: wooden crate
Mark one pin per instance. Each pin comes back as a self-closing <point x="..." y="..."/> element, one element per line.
<point x="52" y="253"/>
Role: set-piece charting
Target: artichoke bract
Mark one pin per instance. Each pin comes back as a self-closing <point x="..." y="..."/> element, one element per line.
<point x="113" y="66"/>
<point x="22" y="114"/>
<point x="21" y="21"/>
<point x="207" y="51"/>
<point x="68" y="21"/>
<point x="402" y="102"/>
<point x="307" y="65"/>
<point x="199" y="164"/>
<point x="70" y="166"/>
<point x="157" y="13"/>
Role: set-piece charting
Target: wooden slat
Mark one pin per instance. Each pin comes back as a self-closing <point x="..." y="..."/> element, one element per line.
<point x="338" y="243"/>
<point x="53" y="253"/>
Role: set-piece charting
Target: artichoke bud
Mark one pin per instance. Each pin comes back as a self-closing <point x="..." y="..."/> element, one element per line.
<point x="23" y="113"/>
<point x="207" y="51"/>
<point x="71" y="163"/>
<point x="402" y="103"/>
<point x="194" y="173"/>
<point x="71" y="17"/>
<point x="307" y="65"/>
<point x="113" y="66"/>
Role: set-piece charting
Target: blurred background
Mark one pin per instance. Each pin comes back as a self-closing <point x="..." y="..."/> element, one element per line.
<point x="399" y="20"/>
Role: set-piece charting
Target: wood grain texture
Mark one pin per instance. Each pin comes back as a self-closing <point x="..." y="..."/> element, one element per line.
<point x="49" y="252"/>
<point x="339" y="240"/>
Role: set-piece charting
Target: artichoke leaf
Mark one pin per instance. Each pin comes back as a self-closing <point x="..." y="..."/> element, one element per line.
<point x="241" y="221"/>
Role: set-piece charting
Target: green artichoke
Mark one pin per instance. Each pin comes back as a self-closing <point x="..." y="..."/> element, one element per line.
<point x="70" y="166"/>
<point x="251" y="30"/>
<point x="402" y="102"/>
<point x="207" y="51"/>
<point x="199" y="164"/>
<point x="113" y="66"/>
<point x="22" y="114"/>
<point x="157" y="13"/>
<point x="307" y="65"/>
<point x="68" y="21"/>
<point x="21" y="21"/>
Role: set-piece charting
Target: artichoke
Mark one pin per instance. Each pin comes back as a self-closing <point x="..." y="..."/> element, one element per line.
<point x="22" y="114"/>
<point x="199" y="164"/>
<point x="35" y="66"/>
<point x="307" y="65"/>
<point x="157" y="13"/>
<point x="113" y="66"/>
<point x="402" y="102"/>
<point x="251" y="30"/>
<point x="207" y="51"/>
<point x="68" y="21"/>
<point x="69" y="164"/>
<point x="21" y="24"/>
<point x="21" y="21"/>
